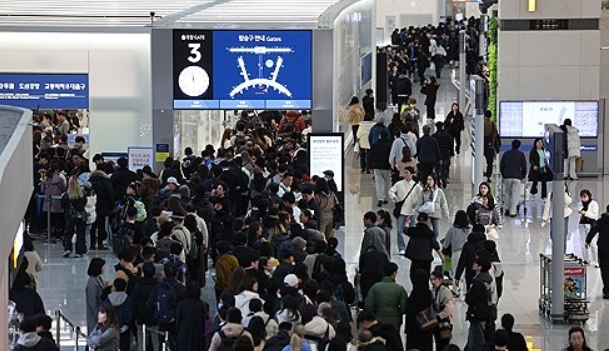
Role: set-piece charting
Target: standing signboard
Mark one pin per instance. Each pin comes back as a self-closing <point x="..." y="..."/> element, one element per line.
<point x="326" y="153"/>
<point x="139" y="157"/>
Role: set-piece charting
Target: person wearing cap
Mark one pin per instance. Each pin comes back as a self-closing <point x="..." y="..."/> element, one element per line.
<point x="164" y="193"/>
<point x="375" y="132"/>
<point x="445" y="142"/>
<point x="122" y="177"/>
<point x="381" y="167"/>
<point x="477" y="300"/>
<point x="421" y="245"/>
<point x="428" y="153"/>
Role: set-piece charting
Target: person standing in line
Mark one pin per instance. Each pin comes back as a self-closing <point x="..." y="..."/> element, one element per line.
<point x="373" y="234"/>
<point x="364" y="144"/>
<point x="403" y="89"/>
<point x="455" y="124"/>
<point x="428" y="153"/>
<point x="430" y="90"/>
<point x="445" y="142"/>
<point x="356" y="115"/>
<point x="74" y="203"/>
<point x="602" y="229"/>
<point x="419" y="300"/>
<point x="517" y="341"/>
<point x="491" y="143"/>
<point x="513" y="168"/>
<point x="381" y="167"/>
<point x="387" y="300"/>
<point x="105" y="336"/>
<point x="572" y="148"/>
<point x="588" y="210"/>
<point x="404" y="195"/>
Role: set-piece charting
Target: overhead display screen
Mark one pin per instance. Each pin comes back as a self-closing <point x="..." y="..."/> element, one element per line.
<point x="242" y="69"/>
<point x="526" y="119"/>
<point x="45" y="91"/>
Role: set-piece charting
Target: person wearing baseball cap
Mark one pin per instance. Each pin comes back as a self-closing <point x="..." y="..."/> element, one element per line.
<point x="329" y="176"/>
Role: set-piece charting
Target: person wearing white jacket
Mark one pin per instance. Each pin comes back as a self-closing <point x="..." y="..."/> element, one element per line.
<point x="91" y="214"/>
<point x="589" y="212"/>
<point x="573" y="148"/>
<point x="432" y="201"/>
<point x="364" y="144"/>
<point x="406" y="192"/>
<point x="242" y="300"/>
<point x="547" y="212"/>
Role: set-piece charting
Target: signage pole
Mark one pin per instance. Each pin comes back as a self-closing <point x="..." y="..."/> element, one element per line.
<point x="462" y="80"/>
<point x="557" y="227"/>
<point x="477" y="96"/>
<point x="482" y="40"/>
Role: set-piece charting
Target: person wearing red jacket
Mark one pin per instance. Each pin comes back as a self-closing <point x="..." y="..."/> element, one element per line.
<point x="294" y="118"/>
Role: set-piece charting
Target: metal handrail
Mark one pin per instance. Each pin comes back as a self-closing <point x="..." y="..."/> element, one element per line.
<point x="75" y="328"/>
<point x="48" y="198"/>
<point x="165" y="335"/>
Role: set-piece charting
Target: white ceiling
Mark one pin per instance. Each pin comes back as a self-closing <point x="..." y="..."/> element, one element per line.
<point x="179" y="13"/>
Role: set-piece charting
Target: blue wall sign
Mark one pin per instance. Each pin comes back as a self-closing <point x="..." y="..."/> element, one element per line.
<point x="45" y="91"/>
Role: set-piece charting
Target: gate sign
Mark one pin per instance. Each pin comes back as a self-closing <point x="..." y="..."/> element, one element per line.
<point x="139" y="157"/>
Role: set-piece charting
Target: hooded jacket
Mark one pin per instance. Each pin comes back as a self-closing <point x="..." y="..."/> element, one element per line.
<point x="602" y="229"/>
<point x="318" y="327"/>
<point x="32" y="341"/>
<point x="105" y="193"/>
<point x="242" y="301"/>
<point x="123" y="307"/>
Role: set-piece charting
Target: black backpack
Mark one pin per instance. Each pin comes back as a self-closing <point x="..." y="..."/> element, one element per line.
<point x="228" y="341"/>
<point x="122" y="239"/>
<point x="166" y="304"/>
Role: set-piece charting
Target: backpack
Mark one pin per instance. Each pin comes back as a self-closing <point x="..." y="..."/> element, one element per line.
<point x="121" y="239"/>
<point x="338" y="291"/>
<point x="166" y="304"/>
<point x="227" y="342"/>
<point x="141" y="210"/>
<point x="193" y="254"/>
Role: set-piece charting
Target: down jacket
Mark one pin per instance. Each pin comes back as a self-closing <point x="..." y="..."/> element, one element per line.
<point x="387" y="301"/>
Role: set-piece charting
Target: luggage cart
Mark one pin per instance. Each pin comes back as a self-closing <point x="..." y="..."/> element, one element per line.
<point x="575" y="285"/>
<point x="523" y="201"/>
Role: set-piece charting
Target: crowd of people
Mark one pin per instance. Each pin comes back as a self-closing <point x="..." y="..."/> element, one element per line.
<point x="249" y="217"/>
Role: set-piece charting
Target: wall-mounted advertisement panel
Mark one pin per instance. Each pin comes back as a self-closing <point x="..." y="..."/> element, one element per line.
<point x="45" y="91"/>
<point x="241" y="69"/>
<point x="526" y="119"/>
<point x="326" y="153"/>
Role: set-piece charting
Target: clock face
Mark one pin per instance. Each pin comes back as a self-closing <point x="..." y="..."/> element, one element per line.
<point x="193" y="81"/>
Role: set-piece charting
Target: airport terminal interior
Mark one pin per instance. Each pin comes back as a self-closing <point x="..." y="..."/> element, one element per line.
<point x="262" y="133"/>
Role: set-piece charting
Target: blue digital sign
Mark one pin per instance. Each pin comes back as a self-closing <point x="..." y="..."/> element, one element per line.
<point x="273" y="66"/>
<point x="242" y="69"/>
<point x="45" y="91"/>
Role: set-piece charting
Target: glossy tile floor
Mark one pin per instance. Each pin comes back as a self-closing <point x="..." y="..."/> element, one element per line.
<point x="522" y="240"/>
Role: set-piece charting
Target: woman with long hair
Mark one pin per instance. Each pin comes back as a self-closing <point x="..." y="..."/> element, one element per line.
<point x="75" y="202"/>
<point x="289" y="311"/>
<point x="433" y="202"/>
<point x="226" y="136"/>
<point x="356" y="115"/>
<point x="589" y="212"/>
<point x="539" y="170"/>
<point x="489" y="215"/>
<point x="472" y="210"/>
<point x="297" y="341"/>
<point x="105" y="336"/>
<point x="327" y="200"/>
<point x="454" y="124"/>
<point x="430" y="89"/>
<point x="95" y="290"/>
<point x="384" y="221"/>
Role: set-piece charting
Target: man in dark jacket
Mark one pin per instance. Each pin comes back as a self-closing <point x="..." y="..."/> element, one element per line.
<point x="121" y="178"/>
<point x="102" y="186"/>
<point x="445" y="143"/>
<point x="142" y="313"/>
<point x="368" y="321"/>
<point x="428" y="153"/>
<point x="403" y="89"/>
<point x="379" y="162"/>
<point x="375" y="132"/>
<point x="421" y="245"/>
<point x="602" y="229"/>
<point x="491" y="143"/>
<point x="477" y="300"/>
<point x="513" y="167"/>
<point x="368" y="102"/>
<point x="30" y="340"/>
<point x="475" y="242"/>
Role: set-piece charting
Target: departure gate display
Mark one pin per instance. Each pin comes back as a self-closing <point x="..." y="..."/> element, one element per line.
<point x="527" y="118"/>
<point x="242" y="69"/>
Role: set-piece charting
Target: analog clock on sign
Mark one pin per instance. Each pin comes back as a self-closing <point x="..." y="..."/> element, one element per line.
<point x="193" y="81"/>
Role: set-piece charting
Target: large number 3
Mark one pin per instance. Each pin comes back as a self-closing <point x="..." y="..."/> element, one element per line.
<point x="195" y="54"/>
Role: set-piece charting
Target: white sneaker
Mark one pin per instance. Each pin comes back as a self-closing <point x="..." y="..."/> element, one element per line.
<point x="402" y="252"/>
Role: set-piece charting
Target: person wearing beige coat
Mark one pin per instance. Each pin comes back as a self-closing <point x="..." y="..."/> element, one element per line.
<point x="356" y="115"/>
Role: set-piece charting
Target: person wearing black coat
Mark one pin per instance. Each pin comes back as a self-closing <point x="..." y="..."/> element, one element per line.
<point x="539" y="170"/>
<point x="281" y="340"/>
<point x="379" y="163"/>
<point x="102" y="186"/>
<point x="403" y="89"/>
<point x="445" y="142"/>
<point x="121" y="178"/>
<point x="455" y="124"/>
<point x="602" y="229"/>
<point x="428" y="153"/>
<point x="421" y="245"/>
<point x="371" y="269"/>
<point x="419" y="300"/>
<point x="190" y="320"/>
<point x="141" y="291"/>
<point x="430" y="90"/>
<point x="475" y="242"/>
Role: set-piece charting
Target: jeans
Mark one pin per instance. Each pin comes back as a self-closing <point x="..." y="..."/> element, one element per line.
<point x="565" y="233"/>
<point x="512" y="193"/>
<point x="88" y="235"/>
<point x="590" y="254"/>
<point x="475" y="336"/>
<point x="435" y="225"/>
<point x="382" y="179"/>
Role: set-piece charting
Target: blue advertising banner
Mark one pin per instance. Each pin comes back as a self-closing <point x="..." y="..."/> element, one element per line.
<point x="45" y="91"/>
<point x="272" y="66"/>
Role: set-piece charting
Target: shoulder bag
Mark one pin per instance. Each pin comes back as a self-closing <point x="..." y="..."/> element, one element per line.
<point x="397" y="210"/>
<point x="429" y="206"/>
<point x="427" y="319"/>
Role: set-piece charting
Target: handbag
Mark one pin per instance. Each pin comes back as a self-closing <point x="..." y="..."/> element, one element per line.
<point x="356" y="148"/>
<point x="427" y="319"/>
<point x="75" y="214"/>
<point x="397" y="210"/>
<point x="429" y="206"/>
<point x="445" y="330"/>
<point x="493" y="234"/>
